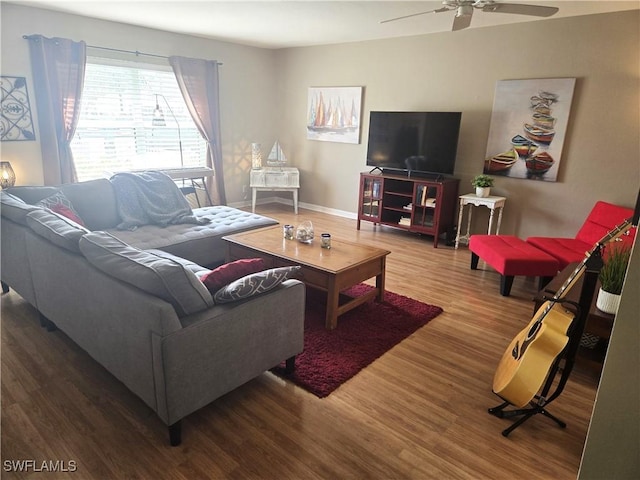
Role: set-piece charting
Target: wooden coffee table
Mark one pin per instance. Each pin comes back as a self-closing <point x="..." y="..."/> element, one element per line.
<point x="332" y="270"/>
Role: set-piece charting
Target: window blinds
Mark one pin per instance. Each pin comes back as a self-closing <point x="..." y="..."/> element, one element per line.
<point x="115" y="130"/>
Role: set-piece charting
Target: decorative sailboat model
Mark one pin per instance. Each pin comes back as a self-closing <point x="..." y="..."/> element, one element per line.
<point x="276" y="158"/>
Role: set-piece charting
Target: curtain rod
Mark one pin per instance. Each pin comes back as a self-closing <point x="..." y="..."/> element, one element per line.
<point x="134" y="52"/>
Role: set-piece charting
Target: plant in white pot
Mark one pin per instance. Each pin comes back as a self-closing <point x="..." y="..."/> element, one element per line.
<point x="483" y="184"/>
<point x="612" y="277"/>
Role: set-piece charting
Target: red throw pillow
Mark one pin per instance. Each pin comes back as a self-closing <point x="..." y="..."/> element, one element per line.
<point x="60" y="204"/>
<point x="230" y="272"/>
<point x="65" y="211"/>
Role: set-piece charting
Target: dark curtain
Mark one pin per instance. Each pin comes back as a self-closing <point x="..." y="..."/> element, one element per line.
<point x="58" y="66"/>
<point x="199" y="84"/>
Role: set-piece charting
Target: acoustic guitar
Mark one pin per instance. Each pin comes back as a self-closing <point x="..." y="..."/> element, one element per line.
<point x="529" y="358"/>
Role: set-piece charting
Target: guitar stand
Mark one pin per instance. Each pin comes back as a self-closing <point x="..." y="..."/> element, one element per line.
<point x="526" y="413"/>
<point x="537" y="406"/>
<point x="568" y="355"/>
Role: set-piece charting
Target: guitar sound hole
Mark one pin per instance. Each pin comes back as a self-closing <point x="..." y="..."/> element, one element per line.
<point x="533" y="330"/>
<point x="516" y="350"/>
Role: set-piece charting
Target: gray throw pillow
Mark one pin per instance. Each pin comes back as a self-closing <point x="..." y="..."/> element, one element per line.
<point x="163" y="277"/>
<point x="255" y="284"/>
<point x="14" y="208"/>
<point x="58" y="229"/>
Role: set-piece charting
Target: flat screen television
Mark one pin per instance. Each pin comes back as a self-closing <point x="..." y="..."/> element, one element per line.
<point x="413" y="142"/>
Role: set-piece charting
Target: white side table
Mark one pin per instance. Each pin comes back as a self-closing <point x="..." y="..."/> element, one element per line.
<point x="472" y="200"/>
<point x="193" y="174"/>
<point x="275" y="179"/>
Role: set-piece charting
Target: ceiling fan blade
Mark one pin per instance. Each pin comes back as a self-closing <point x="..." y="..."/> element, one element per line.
<point x="460" y="22"/>
<point x="437" y="10"/>
<point x="520" y="9"/>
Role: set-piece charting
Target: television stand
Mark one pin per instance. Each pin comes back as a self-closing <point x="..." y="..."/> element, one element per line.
<point x="420" y="205"/>
<point x="436" y="177"/>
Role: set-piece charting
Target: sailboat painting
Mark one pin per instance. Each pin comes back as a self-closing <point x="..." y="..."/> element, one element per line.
<point x="333" y="114"/>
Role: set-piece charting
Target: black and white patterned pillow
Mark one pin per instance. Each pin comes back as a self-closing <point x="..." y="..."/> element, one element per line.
<point x="254" y="284"/>
<point x="60" y="204"/>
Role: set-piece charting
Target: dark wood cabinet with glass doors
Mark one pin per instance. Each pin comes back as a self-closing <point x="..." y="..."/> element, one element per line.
<point x="418" y="205"/>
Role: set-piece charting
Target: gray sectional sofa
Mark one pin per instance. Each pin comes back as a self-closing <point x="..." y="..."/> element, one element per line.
<point x="133" y="300"/>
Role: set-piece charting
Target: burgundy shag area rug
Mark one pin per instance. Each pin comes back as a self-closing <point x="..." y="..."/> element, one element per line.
<point x="331" y="357"/>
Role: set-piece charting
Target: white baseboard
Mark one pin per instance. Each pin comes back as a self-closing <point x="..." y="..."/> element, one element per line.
<point x="286" y="201"/>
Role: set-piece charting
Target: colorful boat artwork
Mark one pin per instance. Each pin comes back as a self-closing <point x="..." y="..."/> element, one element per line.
<point x="501" y="162"/>
<point x="542" y="108"/>
<point x="530" y="117"/>
<point x="543" y="120"/>
<point x="539" y="164"/>
<point x="524" y="147"/>
<point x="539" y="134"/>
<point x="544" y="98"/>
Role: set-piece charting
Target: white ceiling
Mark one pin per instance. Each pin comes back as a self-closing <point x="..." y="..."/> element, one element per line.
<point x="281" y="24"/>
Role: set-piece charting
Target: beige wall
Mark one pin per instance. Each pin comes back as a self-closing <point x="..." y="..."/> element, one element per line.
<point x="458" y="72"/>
<point x="247" y="82"/>
<point x="264" y="96"/>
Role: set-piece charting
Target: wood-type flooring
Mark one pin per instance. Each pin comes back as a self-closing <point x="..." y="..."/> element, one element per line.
<point x="420" y="411"/>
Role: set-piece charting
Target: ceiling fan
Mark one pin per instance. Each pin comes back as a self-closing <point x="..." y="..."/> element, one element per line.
<point x="464" y="10"/>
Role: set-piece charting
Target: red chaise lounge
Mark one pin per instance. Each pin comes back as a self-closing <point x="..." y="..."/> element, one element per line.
<point x="544" y="257"/>
<point x="603" y="218"/>
<point x="511" y="256"/>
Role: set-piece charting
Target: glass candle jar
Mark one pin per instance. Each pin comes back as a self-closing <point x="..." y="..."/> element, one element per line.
<point x="287" y="232"/>
<point x="325" y="239"/>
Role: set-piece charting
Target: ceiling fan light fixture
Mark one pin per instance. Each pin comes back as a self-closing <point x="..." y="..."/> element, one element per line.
<point x="464" y="10"/>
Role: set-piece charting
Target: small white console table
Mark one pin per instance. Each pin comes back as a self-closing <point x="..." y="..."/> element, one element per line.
<point x="196" y="175"/>
<point x="473" y="200"/>
<point x="275" y="179"/>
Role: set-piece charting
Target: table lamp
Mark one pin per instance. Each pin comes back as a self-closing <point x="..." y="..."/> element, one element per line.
<point x="7" y="175"/>
<point x="256" y="156"/>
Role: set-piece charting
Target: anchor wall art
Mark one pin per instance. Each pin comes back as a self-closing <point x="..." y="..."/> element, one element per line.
<point x="333" y="114"/>
<point x="15" y="113"/>
<point x="528" y="128"/>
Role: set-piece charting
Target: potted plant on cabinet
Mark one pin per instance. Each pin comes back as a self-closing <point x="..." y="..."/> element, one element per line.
<point x="611" y="278"/>
<point x="483" y="184"/>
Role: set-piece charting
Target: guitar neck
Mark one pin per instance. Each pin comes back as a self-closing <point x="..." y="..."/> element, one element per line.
<point x="580" y="269"/>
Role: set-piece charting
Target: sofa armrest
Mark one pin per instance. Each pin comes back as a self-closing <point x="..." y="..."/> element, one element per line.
<point x="236" y="343"/>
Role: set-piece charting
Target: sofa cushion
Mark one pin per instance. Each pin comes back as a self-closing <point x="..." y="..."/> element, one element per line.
<point x="15" y="208"/>
<point x="215" y="279"/>
<point x="32" y="194"/>
<point x="58" y="229"/>
<point x="255" y="284"/>
<point x="198" y="270"/>
<point x="95" y="201"/>
<point x="203" y="243"/>
<point x="60" y="204"/>
<point x="159" y="276"/>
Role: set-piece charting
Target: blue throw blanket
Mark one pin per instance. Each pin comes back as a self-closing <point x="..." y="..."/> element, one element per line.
<point x="150" y="198"/>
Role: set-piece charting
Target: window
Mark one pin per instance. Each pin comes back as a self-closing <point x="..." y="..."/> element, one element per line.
<point x="116" y="131"/>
